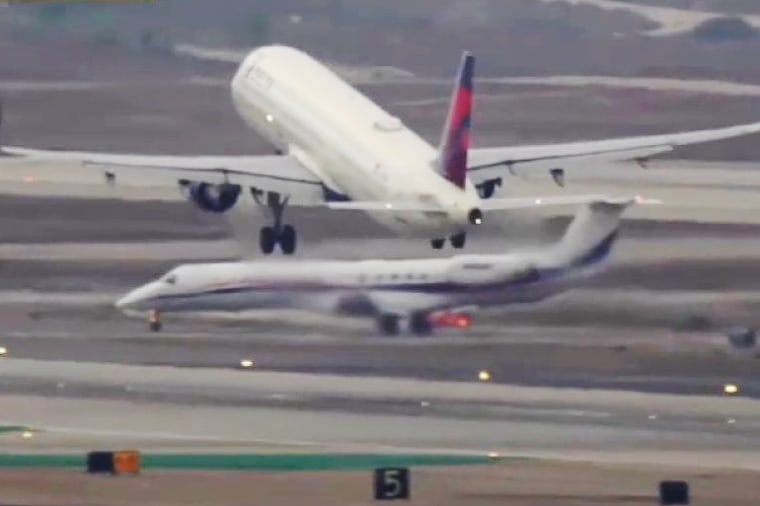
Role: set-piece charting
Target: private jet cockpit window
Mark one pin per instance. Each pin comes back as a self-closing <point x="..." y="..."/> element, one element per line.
<point x="170" y="279"/>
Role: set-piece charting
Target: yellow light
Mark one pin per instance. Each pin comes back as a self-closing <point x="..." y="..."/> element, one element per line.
<point x="730" y="389"/>
<point x="246" y="363"/>
<point x="484" y="375"/>
<point x="27" y="434"/>
<point x="493" y="455"/>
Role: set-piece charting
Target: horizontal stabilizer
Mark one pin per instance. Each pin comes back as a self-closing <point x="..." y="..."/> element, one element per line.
<point x="537" y="202"/>
<point x="383" y="206"/>
<point x="486" y="205"/>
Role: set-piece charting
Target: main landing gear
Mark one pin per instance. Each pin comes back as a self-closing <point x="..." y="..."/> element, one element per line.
<point x="419" y="324"/>
<point x="276" y="234"/>
<point x="457" y="241"/>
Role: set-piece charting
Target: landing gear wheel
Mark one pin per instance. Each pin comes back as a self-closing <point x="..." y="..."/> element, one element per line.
<point x="154" y="321"/>
<point x="388" y="325"/>
<point x="458" y="240"/>
<point x="419" y="324"/>
<point x="288" y="239"/>
<point x="437" y="243"/>
<point x="267" y="240"/>
<point x="277" y="233"/>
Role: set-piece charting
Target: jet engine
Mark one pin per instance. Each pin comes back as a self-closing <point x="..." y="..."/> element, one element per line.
<point x="212" y="198"/>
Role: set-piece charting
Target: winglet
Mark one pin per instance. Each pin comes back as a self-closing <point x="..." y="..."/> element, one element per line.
<point x="455" y="140"/>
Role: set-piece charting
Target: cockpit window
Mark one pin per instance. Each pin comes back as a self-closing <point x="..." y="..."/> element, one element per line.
<point x="170" y="279"/>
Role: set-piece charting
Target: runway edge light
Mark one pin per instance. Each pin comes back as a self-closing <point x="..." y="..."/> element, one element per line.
<point x="730" y="389"/>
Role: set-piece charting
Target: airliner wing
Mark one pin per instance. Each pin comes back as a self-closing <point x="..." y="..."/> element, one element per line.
<point x="485" y="205"/>
<point x="282" y="174"/>
<point x="489" y="163"/>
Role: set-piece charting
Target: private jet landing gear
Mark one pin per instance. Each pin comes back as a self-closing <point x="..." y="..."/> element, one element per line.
<point x="457" y="241"/>
<point x="271" y="236"/>
<point x="154" y="321"/>
<point x="419" y="324"/>
<point x="388" y="324"/>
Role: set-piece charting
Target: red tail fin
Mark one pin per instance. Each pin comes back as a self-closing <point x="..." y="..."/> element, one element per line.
<point x="455" y="141"/>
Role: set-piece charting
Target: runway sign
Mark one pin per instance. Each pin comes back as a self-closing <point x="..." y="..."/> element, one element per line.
<point x="674" y="492"/>
<point x="391" y="483"/>
<point x="100" y="463"/>
<point x="127" y="462"/>
<point x="122" y="462"/>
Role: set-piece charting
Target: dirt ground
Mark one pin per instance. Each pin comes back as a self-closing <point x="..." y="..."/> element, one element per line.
<point x="517" y="483"/>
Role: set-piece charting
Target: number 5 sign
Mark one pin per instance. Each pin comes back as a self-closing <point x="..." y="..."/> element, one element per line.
<point x="391" y="483"/>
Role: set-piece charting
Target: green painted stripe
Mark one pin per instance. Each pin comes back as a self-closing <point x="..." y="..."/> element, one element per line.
<point x="13" y="428"/>
<point x="261" y="462"/>
<point x="42" y="461"/>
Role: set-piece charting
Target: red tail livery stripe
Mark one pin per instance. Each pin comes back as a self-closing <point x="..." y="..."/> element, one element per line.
<point x="455" y="142"/>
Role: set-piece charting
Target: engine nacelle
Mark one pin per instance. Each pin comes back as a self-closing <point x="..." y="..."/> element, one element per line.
<point x="212" y="198"/>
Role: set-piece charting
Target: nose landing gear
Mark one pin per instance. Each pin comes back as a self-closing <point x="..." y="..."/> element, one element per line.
<point x="154" y="321"/>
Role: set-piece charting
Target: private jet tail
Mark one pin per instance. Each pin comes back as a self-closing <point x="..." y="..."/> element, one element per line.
<point x="590" y="236"/>
<point x="455" y="139"/>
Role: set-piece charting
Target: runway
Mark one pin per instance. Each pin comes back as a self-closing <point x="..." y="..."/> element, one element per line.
<point x="255" y="410"/>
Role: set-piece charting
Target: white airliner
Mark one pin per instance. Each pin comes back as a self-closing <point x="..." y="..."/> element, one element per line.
<point x="338" y="149"/>
<point x="390" y="290"/>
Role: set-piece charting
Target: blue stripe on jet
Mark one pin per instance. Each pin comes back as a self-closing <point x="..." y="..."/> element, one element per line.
<point x="597" y="254"/>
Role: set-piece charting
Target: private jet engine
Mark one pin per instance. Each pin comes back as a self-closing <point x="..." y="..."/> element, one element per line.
<point x="212" y="198"/>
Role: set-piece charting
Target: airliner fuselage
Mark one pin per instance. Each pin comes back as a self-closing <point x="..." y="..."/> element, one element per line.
<point x="360" y="151"/>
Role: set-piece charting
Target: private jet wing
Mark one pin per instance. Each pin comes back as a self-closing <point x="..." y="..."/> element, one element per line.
<point x="490" y="163"/>
<point x="281" y="174"/>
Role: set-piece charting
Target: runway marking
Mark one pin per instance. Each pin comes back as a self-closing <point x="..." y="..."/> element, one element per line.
<point x="272" y="442"/>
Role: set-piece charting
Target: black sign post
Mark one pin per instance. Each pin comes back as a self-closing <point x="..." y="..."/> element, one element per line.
<point x="391" y="483"/>
<point x="674" y="492"/>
